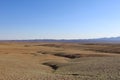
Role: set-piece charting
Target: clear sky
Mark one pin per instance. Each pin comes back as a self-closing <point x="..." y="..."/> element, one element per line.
<point x="59" y="19"/>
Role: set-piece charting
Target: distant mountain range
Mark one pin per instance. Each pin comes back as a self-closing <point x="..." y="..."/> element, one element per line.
<point x="106" y="40"/>
<point x="97" y="40"/>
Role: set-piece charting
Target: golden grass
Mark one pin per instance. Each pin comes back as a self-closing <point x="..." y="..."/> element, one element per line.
<point x="53" y="61"/>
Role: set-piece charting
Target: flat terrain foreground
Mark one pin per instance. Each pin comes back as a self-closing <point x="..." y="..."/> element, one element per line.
<point x="59" y="61"/>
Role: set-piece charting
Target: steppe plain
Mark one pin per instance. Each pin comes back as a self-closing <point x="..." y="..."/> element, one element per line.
<point x="59" y="61"/>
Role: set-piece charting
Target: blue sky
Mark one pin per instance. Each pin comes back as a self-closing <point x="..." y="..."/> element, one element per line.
<point x="59" y="19"/>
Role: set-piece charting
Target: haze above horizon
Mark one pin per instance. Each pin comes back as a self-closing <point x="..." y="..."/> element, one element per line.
<point x="59" y="19"/>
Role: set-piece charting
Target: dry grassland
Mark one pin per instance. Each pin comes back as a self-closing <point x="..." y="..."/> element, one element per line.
<point x="59" y="61"/>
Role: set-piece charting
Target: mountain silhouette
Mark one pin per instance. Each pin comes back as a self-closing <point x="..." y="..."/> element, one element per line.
<point x="97" y="40"/>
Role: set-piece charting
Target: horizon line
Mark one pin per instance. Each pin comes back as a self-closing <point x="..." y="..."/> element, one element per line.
<point x="57" y="39"/>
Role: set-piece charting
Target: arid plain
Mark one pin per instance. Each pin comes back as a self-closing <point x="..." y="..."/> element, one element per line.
<point x="59" y="61"/>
